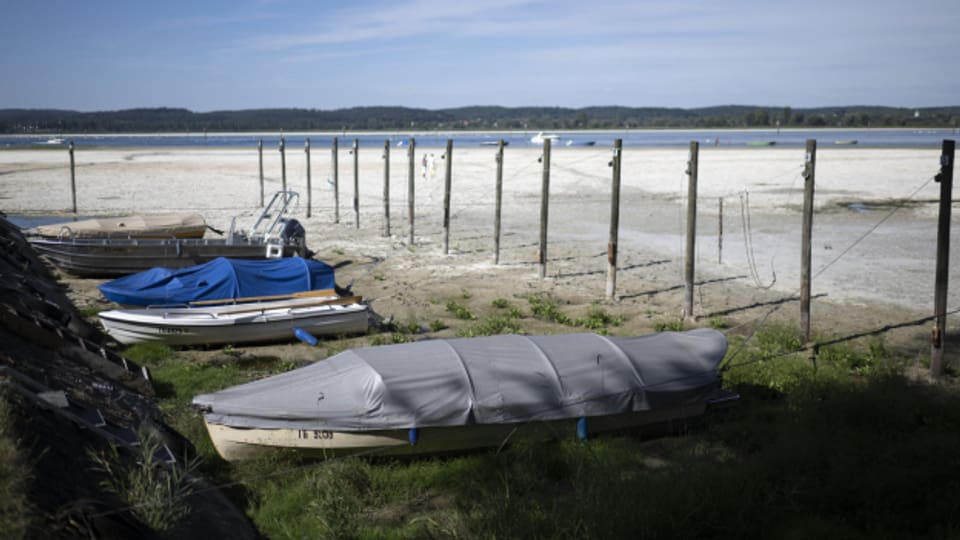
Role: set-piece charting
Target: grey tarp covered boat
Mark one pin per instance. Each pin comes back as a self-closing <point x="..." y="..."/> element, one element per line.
<point x="395" y="394"/>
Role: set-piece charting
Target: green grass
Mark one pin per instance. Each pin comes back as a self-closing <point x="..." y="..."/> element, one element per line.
<point x="15" y="513"/>
<point x="460" y="311"/>
<point x="546" y="308"/>
<point x="157" y="495"/>
<point x="673" y="325"/>
<point x="844" y="447"/>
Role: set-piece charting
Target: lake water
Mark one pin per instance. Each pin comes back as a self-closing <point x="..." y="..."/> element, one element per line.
<point x="871" y="138"/>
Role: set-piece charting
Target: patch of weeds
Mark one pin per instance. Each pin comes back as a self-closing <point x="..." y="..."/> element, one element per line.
<point x="90" y="311"/>
<point x="675" y="325"/>
<point x="412" y="326"/>
<point x="500" y="303"/>
<point x="465" y="294"/>
<point x="149" y="354"/>
<point x="854" y="359"/>
<point x="598" y="320"/>
<point x="156" y="494"/>
<point x="287" y="365"/>
<point x="437" y="325"/>
<point x="390" y="339"/>
<point x="379" y="277"/>
<point x="336" y="347"/>
<point x="718" y="323"/>
<point x="460" y="311"/>
<point x="776" y="339"/>
<point x="14" y="476"/>
<point x="546" y="308"/>
<point x="492" y="325"/>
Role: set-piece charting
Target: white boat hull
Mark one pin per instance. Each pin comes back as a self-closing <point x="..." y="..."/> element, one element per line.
<point x="232" y="324"/>
<point x="237" y="444"/>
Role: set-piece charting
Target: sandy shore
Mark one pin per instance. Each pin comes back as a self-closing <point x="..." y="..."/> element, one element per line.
<point x="866" y="276"/>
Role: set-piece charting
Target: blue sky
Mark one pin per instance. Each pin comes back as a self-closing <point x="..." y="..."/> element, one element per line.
<point x="243" y="54"/>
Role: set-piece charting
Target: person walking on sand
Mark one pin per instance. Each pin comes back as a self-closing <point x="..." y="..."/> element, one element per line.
<point x="432" y="165"/>
<point x="423" y="167"/>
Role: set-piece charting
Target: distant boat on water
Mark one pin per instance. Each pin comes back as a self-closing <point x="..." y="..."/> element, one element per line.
<point x="493" y="143"/>
<point x="540" y="137"/>
<point x="848" y="141"/>
<point x="761" y="143"/>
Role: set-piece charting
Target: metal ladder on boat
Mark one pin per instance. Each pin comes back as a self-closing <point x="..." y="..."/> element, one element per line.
<point x="268" y="226"/>
<point x="270" y="223"/>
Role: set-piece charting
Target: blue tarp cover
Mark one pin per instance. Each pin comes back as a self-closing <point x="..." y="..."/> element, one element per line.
<point x="220" y="279"/>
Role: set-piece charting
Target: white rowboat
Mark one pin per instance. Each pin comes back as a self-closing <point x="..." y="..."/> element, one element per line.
<point x="237" y="323"/>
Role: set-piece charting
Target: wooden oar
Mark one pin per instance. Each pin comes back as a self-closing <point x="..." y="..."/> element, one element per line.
<point x="303" y="294"/>
<point x="259" y="306"/>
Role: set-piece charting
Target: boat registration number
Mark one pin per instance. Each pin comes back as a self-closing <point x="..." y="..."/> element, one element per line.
<point x="171" y="330"/>
<point x="314" y="434"/>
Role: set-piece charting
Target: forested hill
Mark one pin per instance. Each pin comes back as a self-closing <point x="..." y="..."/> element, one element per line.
<point x="466" y="118"/>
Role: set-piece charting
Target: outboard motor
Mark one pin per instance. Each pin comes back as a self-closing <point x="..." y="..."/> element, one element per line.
<point x="293" y="234"/>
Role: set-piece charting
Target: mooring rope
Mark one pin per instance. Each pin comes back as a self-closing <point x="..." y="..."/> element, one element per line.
<point x="748" y="242"/>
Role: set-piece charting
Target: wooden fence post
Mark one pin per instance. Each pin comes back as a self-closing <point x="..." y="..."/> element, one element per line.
<point x="544" y="211"/>
<point x="411" y="177"/>
<point x="386" y="187"/>
<point x="260" y="155"/>
<point x="612" y="245"/>
<point x="335" y="163"/>
<point x="283" y="163"/>
<point x="496" y="212"/>
<point x="306" y="149"/>
<point x="945" y="178"/>
<point x="720" y="230"/>
<point x="446" y="196"/>
<point x="356" y="181"/>
<point x="73" y="179"/>
<point x="690" y="258"/>
<point x="809" y="176"/>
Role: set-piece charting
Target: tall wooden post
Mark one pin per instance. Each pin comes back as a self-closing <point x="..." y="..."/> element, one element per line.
<point x="411" y="177"/>
<point x="356" y="181"/>
<point x="496" y="212"/>
<point x="809" y="176"/>
<point x="446" y="196"/>
<point x="612" y="245"/>
<point x="306" y="149"/>
<point x="386" y="187"/>
<point x="720" y="230"/>
<point x="945" y="177"/>
<point x="690" y="257"/>
<point x="335" y="164"/>
<point x="73" y="179"/>
<point x="260" y="155"/>
<point x="283" y="163"/>
<point x="544" y="211"/>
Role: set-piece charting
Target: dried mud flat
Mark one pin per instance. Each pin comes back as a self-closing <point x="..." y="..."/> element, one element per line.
<point x="868" y="278"/>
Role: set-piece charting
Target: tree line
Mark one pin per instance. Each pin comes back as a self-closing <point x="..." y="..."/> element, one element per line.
<point x="173" y="120"/>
